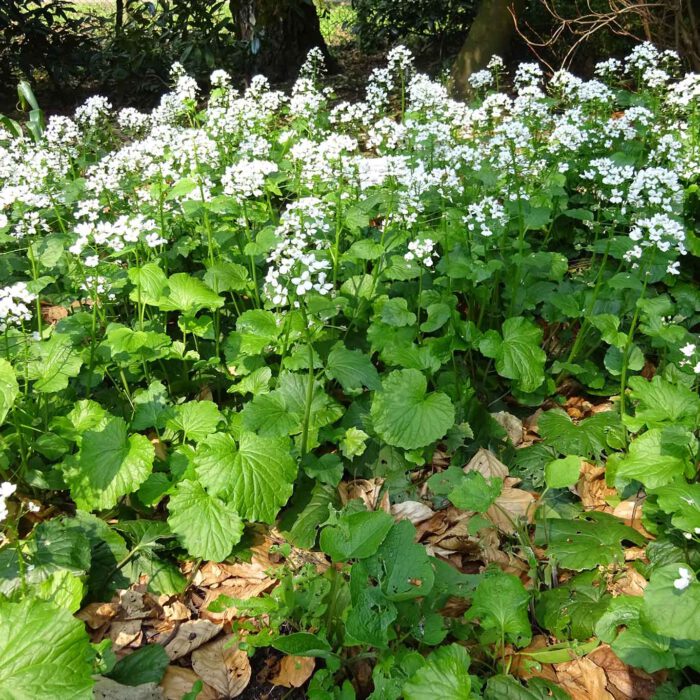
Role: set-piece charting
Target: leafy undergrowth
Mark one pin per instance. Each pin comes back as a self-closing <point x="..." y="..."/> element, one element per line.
<point x="395" y="399"/>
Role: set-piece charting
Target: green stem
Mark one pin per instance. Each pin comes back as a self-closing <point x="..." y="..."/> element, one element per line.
<point x="309" y="393"/>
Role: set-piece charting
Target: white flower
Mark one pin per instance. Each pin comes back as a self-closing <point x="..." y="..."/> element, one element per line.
<point x="684" y="578"/>
<point x="33" y="507"/>
<point x="6" y="490"/>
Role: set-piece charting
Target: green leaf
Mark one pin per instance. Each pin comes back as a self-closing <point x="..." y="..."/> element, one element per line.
<point x="501" y="603"/>
<point x="152" y="407"/>
<point x="306" y="524"/>
<point x="226" y="277"/>
<point x="196" y="419"/>
<point x="588" y="438"/>
<point x="150" y="282"/>
<point x="356" y="536"/>
<point x="207" y="526"/>
<point x="404" y="415"/>
<point x="258" y="329"/>
<point x="9" y="389"/>
<point x="592" y="540"/>
<point x="671" y="611"/>
<point x="145" y="665"/>
<point x="61" y="588"/>
<point x="509" y="688"/>
<point x="657" y="457"/>
<point x="44" y="652"/>
<point x="256" y="477"/>
<point x="188" y="294"/>
<point x="681" y="500"/>
<point x="110" y="465"/>
<point x="128" y="347"/>
<point x="518" y="354"/>
<point x="438" y="315"/>
<point x="661" y="402"/>
<point x="394" y="312"/>
<point x="642" y="648"/>
<point x="475" y="493"/>
<point x="54" y="362"/>
<point x="445" y="675"/>
<point x="353" y="443"/>
<point x="302" y="644"/>
<point x="351" y="369"/>
<point x="561" y="473"/>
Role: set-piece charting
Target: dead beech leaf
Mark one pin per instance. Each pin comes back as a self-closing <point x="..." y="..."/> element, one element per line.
<point x="415" y="511"/>
<point x="178" y="681"/>
<point x="223" y="666"/>
<point x="583" y="680"/>
<point x="369" y="491"/>
<point x="487" y="464"/>
<point x="592" y="489"/>
<point x="624" y="682"/>
<point x="94" y="615"/>
<point x="630" y="582"/>
<point x="523" y="667"/>
<point x="294" y="671"/>
<point x="630" y="511"/>
<point x="53" y="314"/>
<point x="107" y="689"/>
<point x="510" y="507"/>
<point x="511" y="424"/>
<point x="189" y="636"/>
<point x="124" y="633"/>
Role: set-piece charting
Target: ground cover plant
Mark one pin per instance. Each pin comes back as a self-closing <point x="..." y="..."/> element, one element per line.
<point x="387" y="399"/>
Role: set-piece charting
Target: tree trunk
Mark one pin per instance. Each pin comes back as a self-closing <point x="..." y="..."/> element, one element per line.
<point x="491" y="32"/>
<point x="119" y="16"/>
<point x="280" y="34"/>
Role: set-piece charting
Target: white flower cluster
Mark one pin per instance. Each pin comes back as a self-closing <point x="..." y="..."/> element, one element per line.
<point x="685" y="577"/>
<point x="95" y="111"/>
<point x="115" y="236"/>
<point x="246" y="179"/>
<point x="487" y="217"/>
<point x="297" y="265"/>
<point x="692" y="357"/>
<point x="15" y="302"/>
<point x="659" y="231"/>
<point x="6" y="490"/>
<point x="421" y="250"/>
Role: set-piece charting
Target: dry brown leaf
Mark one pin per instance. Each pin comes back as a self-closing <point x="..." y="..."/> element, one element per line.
<point x="223" y="666"/>
<point x="190" y="636"/>
<point x="52" y="314"/>
<point x="523" y="667"/>
<point x="369" y="491"/>
<point x="624" y="682"/>
<point x="510" y="507"/>
<point x="107" y="689"/>
<point x="631" y="512"/>
<point x="511" y="424"/>
<point x="178" y="681"/>
<point x="592" y="489"/>
<point x="294" y="671"/>
<point x="94" y="615"/>
<point x="124" y="633"/>
<point x="243" y="589"/>
<point x="583" y="680"/>
<point x="415" y="511"/>
<point x="176" y="611"/>
<point x="487" y="464"/>
<point x="630" y="582"/>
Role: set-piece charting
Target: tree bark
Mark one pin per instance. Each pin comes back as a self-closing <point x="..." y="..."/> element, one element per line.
<point x="492" y="32"/>
<point x="280" y="34"/>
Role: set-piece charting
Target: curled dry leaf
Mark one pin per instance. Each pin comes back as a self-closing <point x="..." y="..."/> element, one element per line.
<point x="294" y="671"/>
<point x="583" y="680"/>
<point x="94" y="615"/>
<point x="511" y="424"/>
<point x="241" y="588"/>
<point x="631" y="512"/>
<point x="178" y="681"/>
<point x="630" y="582"/>
<point x="487" y="464"/>
<point x="592" y="489"/>
<point x="190" y="636"/>
<point x="223" y="666"/>
<point x="124" y="633"/>
<point x="624" y="682"/>
<point x="369" y="491"/>
<point x="510" y="507"/>
<point x="523" y="667"/>
<point x="415" y="511"/>
<point x="52" y="314"/>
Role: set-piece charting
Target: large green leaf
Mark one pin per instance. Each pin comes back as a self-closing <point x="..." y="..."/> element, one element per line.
<point x="207" y="526"/>
<point x="258" y="329"/>
<point x="256" y="476"/>
<point x="54" y="362"/>
<point x="682" y="501"/>
<point x="8" y="388"/>
<point x="672" y="608"/>
<point x="590" y="541"/>
<point x="661" y="402"/>
<point x="188" y="294"/>
<point x="405" y="415"/>
<point x="657" y="457"/>
<point x="111" y="464"/>
<point x="500" y="602"/>
<point x="588" y="438"/>
<point x="145" y="665"/>
<point x="509" y="688"/>
<point x="351" y="369"/>
<point x="150" y="282"/>
<point x="196" y="419"/>
<point x="445" y="675"/>
<point x="518" y="354"/>
<point x="44" y="652"/>
<point x="356" y="535"/>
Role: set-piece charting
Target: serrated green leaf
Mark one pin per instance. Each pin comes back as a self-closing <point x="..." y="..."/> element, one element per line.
<point x="207" y="526"/>
<point x="258" y="329"/>
<point x="54" y="362"/>
<point x="188" y="294"/>
<point x="518" y="354"/>
<point x="661" y="402"/>
<point x="195" y="419"/>
<point x="351" y="369"/>
<point x="474" y="493"/>
<point x="111" y="464"/>
<point x="445" y="675"/>
<point x="405" y="415"/>
<point x="356" y="535"/>
<point x="9" y="389"/>
<point x="500" y="602"/>
<point x="587" y="439"/>
<point x="150" y="282"/>
<point x="256" y="476"/>
<point x="509" y="688"/>
<point x="44" y="652"/>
